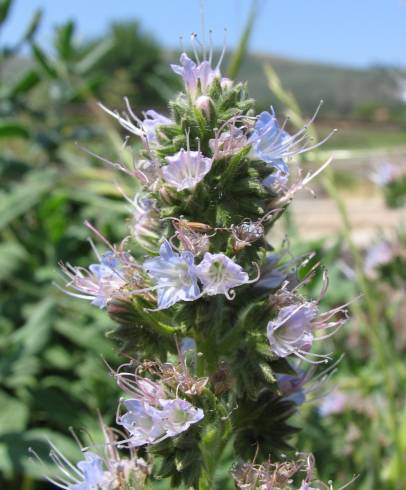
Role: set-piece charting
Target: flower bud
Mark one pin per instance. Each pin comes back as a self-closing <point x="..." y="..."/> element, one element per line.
<point x="226" y="83"/>
<point x="205" y="104"/>
<point x="122" y="311"/>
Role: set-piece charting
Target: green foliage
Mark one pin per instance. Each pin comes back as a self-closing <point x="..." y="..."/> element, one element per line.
<point x="51" y="370"/>
<point x="395" y="192"/>
<point x="134" y="65"/>
<point x="52" y="373"/>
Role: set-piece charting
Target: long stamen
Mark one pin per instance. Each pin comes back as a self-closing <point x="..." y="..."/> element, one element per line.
<point x="193" y="39"/>
<point x="223" y="51"/>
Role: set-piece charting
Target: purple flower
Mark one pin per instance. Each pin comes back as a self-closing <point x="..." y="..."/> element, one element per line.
<point x="179" y="415"/>
<point x="384" y="174"/>
<point x="195" y="75"/>
<point x="292" y="332"/>
<point x="378" y="255"/>
<point x="277" y="182"/>
<point x="145" y="220"/>
<point x="143" y="128"/>
<point x="219" y="274"/>
<point x="92" y="468"/>
<point x="228" y="143"/>
<point x="270" y="142"/>
<point x="273" y="274"/>
<point x="333" y="403"/>
<point x="148" y="424"/>
<point x="187" y="344"/>
<point x="99" y="283"/>
<point x="92" y="473"/>
<point x="291" y="386"/>
<point x="281" y="267"/>
<point x="175" y="275"/>
<point x="143" y="423"/>
<point x="186" y="169"/>
<point x="95" y="472"/>
<point x="152" y="120"/>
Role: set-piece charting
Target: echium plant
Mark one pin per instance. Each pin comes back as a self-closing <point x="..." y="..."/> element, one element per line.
<point x="213" y="319"/>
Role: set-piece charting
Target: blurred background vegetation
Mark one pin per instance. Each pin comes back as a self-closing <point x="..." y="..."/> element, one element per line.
<point x="52" y="374"/>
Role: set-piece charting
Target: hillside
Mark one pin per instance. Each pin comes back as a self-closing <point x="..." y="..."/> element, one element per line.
<point x="344" y="89"/>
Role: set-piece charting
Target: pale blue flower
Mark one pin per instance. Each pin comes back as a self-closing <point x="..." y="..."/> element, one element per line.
<point x="98" y="284"/>
<point x="143" y="128"/>
<point x="277" y="181"/>
<point x="292" y="331"/>
<point x="281" y="267"/>
<point x="378" y="255"/>
<point x="333" y="403"/>
<point x="291" y="386"/>
<point x="147" y="424"/>
<point x="219" y="274"/>
<point x="297" y="387"/>
<point x="109" y="266"/>
<point x="179" y="415"/>
<point x="92" y="468"/>
<point x="175" y="276"/>
<point x="273" y="274"/>
<point x="270" y="142"/>
<point x="143" y="422"/>
<point x="145" y="220"/>
<point x="152" y="120"/>
<point x="187" y="344"/>
<point x="384" y="174"/>
<point x="186" y="169"/>
<point x="92" y="473"/>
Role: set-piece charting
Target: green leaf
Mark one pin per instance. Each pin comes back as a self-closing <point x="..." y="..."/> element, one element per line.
<point x="24" y="84"/>
<point x="87" y="63"/>
<point x="13" y="414"/>
<point x="12" y="254"/>
<point x="35" y="333"/>
<point x="239" y="54"/>
<point x="11" y="129"/>
<point x="33" y="25"/>
<point x="15" y="458"/>
<point x="44" y="62"/>
<point x="63" y="41"/>
<point x="5" y="6"/>
<point x="25" y="195"/>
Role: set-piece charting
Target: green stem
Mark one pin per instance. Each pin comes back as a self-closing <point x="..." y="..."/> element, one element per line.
<point x="214" y="441"/>
<point x="378" y="337"/>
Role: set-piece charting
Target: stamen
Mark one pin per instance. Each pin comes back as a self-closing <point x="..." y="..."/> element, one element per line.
<point x="210" y="46"/>
<point x="223" y="52"/>
<point x="193" y="38"/>
<point x="130" y="111"/>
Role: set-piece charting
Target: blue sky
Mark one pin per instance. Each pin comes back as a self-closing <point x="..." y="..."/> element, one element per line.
<point x="350" y="32"/>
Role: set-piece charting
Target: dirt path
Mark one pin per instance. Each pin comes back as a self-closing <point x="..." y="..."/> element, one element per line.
<point x="319" y="218"/>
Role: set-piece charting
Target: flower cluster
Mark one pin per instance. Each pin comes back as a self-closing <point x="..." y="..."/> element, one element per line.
<point x="151" y="415"/>
<point x="213" y="177"/>
<point x="279" y="476"/>
<point x="109" y="471"/>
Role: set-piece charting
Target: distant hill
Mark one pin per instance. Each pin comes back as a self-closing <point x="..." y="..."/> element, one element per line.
<point x="344" y="89"/>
